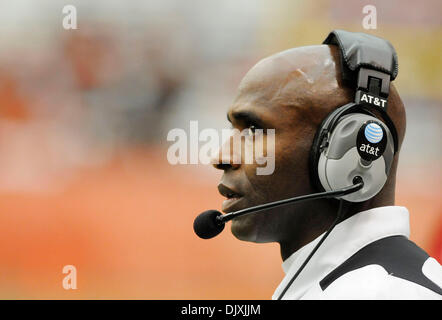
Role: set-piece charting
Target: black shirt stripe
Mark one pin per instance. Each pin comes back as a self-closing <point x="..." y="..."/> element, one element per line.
<point x="399" y="256"/>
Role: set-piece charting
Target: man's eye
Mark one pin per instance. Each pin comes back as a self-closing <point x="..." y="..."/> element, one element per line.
<point x="251" y="130"/>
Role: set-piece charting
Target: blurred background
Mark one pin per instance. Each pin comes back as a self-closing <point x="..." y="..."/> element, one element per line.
<point x="84" y="116"/>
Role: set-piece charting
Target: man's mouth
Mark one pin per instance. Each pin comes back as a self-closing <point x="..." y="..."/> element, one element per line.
<point x="233" y="198"/>
<point x="229" y="203"/>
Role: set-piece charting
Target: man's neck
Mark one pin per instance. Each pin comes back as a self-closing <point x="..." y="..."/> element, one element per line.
<point x="287" y="248"/>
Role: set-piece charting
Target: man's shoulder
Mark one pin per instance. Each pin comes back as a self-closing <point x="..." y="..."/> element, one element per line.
<point x="373" y="282"/>
<point x="389" y="268"/>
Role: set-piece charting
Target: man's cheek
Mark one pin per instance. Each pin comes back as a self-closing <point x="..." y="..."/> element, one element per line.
<point x="265" y="152"/>
<point x="259" y="186"/>
<point x="259" y="151"/>
<point x="247" y="151"/>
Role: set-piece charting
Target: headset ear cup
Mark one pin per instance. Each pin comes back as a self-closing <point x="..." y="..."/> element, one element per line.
<point x="347" y="156"/>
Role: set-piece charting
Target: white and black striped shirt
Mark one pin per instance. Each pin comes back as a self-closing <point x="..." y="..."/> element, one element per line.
<point x="367" y="256"/>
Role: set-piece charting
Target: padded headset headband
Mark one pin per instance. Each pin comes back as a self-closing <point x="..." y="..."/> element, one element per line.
<point x="371" y="63"/>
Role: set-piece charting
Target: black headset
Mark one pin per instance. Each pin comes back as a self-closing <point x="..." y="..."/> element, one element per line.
<point x="352" y="141"/>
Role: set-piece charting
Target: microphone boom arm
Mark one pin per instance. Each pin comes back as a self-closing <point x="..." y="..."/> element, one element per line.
<point x="359" y="184"/>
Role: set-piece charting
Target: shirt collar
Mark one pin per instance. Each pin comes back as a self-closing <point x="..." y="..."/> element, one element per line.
<point x="347" y="238"/>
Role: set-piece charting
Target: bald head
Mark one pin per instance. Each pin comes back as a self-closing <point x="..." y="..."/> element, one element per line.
<point x="299" y="77"/>
<point x="292" y="92"/>
<point x="310" y="80"/>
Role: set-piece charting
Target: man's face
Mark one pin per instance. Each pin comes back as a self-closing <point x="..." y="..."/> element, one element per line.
<point x="241" y="184"/>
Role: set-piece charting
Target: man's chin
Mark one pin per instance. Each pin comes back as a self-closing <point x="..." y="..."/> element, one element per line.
<point x="245" y="228"/>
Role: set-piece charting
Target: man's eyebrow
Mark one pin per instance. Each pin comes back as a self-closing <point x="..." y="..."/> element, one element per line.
<point x="246" y="117"/>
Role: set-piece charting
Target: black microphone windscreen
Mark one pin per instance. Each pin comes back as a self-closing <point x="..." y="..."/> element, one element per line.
<point x="206" y="226"/>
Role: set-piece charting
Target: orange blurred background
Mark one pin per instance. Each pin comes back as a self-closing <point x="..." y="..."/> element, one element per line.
<point x="84" y="116"/>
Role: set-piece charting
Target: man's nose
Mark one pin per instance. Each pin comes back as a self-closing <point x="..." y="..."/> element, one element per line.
<point x="227" y="157"/>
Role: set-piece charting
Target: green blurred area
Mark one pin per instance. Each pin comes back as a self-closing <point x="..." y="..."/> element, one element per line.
<point x="413" y="27"/>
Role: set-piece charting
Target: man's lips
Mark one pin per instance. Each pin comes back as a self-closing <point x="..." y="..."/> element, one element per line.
<point x="233" y="198"/>
<point x="231" y="204"/>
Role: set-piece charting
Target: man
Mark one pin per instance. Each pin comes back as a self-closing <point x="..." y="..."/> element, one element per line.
<point x="367" y="255"/>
